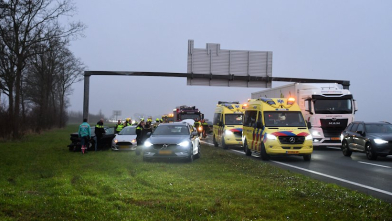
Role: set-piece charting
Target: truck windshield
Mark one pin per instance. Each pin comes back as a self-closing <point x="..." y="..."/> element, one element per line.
<point x="233" y="119"/>
<point x="333" y="106"/>
<point x="284" y="119"/>
<point x="189" y="116"/>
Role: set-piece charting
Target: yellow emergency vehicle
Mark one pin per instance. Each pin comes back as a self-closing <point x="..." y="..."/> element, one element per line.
<point x="227" y="124"/>
<point x="276" y="126"/>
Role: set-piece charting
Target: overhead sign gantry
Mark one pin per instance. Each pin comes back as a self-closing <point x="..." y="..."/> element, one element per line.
<point x="217" y="67"/>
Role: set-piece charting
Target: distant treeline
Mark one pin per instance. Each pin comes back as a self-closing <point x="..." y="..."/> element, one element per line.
<point x="37" y="69"/>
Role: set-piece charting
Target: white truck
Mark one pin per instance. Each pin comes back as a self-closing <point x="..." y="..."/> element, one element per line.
<point x="327" y="107"/>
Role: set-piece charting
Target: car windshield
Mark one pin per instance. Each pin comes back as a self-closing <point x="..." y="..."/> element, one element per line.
<point x="233" y="119"/>
<point x="128" y="131"/>
<point x="330" y="106"/>
<point x="378" y="128"/>
<point x="284" y="119"/>
<point x="171" y="130"/>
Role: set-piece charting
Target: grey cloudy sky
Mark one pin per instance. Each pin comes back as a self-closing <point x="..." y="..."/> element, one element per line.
<point x="346" y="40"/>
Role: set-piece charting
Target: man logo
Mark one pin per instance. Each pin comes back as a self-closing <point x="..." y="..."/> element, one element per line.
<point x="292" y="139"/>
<point x="164" y="146"/>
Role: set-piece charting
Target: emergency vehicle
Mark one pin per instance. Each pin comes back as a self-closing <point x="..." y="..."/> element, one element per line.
<point x="276" y="126"/>
<point x="227" y="124"/>
<point x="187" y="112"/>
<point x="168" y="118"/>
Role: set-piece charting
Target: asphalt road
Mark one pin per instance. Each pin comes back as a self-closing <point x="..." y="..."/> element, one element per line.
<point x="329" y="165"/>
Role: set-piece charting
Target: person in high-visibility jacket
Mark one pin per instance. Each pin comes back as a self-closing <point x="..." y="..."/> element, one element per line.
<point x="119" y="127"/>
<point x="139" y="136"/>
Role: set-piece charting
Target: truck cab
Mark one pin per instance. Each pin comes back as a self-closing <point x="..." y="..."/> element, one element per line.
<point x="275" y="126"/>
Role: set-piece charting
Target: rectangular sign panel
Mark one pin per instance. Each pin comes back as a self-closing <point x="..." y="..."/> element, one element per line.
<point x="234" y="63"/>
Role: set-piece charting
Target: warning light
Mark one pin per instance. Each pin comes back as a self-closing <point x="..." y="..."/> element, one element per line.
<point x="290" y="101"/>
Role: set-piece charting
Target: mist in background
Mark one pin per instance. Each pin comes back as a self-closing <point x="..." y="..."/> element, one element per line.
<point x="343" y="40"/>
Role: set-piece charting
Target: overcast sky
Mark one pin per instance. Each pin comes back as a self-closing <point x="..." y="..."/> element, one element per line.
<point x="345" y="40"/>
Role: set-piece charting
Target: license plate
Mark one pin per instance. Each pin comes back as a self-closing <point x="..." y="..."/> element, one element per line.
<point x="292" y="152"/>
<point x="165" y="152"/>
<point x="123" y="146"/>
<point x="335" y="138"/>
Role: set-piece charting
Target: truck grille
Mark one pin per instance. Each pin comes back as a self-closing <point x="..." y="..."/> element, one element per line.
<point x="333" y="127"/>
<point x="292" y="140"/>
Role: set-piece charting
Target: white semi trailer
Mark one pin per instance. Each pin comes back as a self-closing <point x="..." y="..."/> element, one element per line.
<point x="327" y="107"/>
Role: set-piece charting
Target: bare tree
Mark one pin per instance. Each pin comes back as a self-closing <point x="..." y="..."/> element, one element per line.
<point x="24" y="26"/>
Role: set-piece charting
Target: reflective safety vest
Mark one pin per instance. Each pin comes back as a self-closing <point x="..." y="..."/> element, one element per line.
<point x="196" y="124"/>
<point x="119" y="127"/>
<point x="99" y="126"/>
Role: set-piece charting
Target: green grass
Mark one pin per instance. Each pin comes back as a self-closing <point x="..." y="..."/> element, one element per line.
<point x="40" y="179"/>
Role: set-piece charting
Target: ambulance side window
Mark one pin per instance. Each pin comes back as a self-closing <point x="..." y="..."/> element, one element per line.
<point x="250" y="118"/>
<point x="217" y="118"/>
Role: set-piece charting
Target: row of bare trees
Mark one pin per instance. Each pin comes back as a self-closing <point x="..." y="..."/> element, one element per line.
<point x="36" y="67"/>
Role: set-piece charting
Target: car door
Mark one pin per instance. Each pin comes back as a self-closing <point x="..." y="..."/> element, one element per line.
<point x="360" y="139"/>
<point x="351" y="136"/>
<point x="194" y="140"/>
<point x="249" y="127"/>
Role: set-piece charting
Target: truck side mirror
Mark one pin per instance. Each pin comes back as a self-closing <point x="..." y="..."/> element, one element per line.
<point x="309" y="125"/>
<point x="355" y="106"/>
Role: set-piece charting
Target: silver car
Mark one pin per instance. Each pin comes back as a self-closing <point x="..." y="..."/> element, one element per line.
<point x="125" y="139"/>
<point x="172" y="141"/>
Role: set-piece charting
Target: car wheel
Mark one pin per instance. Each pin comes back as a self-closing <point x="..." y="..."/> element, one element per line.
<point x="214" y="141"/>
<point x="370" y="153"/>
<point x="247" y="151"/>
<point x="263" y="153"/>
<point x="307" y="157"/>
<point x="345" y="149"/>
<point x="224" y="146"/>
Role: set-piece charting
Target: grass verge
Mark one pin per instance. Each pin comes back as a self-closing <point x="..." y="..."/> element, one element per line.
<point x="41" y="179"/>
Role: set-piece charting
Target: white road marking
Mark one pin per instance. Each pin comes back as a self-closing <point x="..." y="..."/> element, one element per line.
<point x="378" y="165"/>
<point x="325" y="175"/>
<point x="336" y="178"/>
<point x="335" y="148"/>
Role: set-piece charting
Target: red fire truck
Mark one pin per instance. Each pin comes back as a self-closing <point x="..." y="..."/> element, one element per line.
<point x="187" y="112"/>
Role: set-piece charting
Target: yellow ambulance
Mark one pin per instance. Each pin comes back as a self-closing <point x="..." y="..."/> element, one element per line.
<point x="275" y="126"/>
<point x="227" y="124"/>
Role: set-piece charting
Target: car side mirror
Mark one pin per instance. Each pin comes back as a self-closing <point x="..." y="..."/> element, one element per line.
<point x="194" y="134"/>
<point x="361" y="132"/>
<point x="309" y="125"/>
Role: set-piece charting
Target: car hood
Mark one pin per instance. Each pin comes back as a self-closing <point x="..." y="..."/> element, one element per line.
<point x="124" y="137"/>
<point x="163" y="139"/>
<point x="384" y="136"/>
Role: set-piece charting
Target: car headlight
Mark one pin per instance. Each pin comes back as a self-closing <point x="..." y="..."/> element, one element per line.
<point x="228" y="132"/>
<point x="115" y="140"/>
<point x="133" y="141"/>
<point x="309" y="137"/>
<point x="184" y="143"/>
<point x="271" y="137"/>
<point x="147" y="144"/>
<point x="380" y="141"/>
